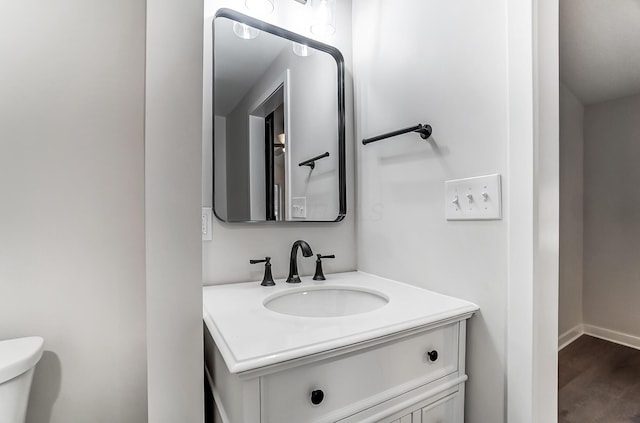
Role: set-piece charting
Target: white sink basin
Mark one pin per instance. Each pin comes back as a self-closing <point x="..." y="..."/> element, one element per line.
<point x="326" y="301"/>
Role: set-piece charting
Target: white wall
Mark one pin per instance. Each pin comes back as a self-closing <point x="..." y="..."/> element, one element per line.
<point x="546" y="192"/>
<point x="571" y="210"/>
<point x="533" y="212"/>
<point x="219" y="137"/>
<point x="442" y="63"/>
<point x="72" y="247"/>
<point x="226" y="258"/>
<point x="312" y="128"/>
<point x="257" y="165"/>
<point x="173" y="189"/>
<point x="611" y="220"/>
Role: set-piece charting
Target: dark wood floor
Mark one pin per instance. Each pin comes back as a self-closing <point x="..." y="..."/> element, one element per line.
<point x="598" y="382"/>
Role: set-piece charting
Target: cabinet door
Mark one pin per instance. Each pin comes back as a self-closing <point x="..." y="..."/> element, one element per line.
<point x="444" y="407"/>
<point x="443" y="410"/>
<point x="405" y="419"/>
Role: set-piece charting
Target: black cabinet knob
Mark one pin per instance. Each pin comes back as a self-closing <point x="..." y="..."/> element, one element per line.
<point x="317" y="396"/>
<point x="433" y="355"/>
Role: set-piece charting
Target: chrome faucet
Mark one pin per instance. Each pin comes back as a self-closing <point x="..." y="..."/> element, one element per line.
<point x="293" y="262"/>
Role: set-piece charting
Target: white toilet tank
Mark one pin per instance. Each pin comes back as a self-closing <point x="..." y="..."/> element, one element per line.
<point x="18" y="358"/>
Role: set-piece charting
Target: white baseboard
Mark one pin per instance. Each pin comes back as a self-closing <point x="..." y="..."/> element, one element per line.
<point x="597" y="332"/>
<point x="613" y="336"/>
<point x="570" y="336"/>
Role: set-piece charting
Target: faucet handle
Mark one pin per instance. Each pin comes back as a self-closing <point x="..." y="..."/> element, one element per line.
<point x="267" y="279"/>
<point x="319" y="276"/>
<point x="256" y="261"/>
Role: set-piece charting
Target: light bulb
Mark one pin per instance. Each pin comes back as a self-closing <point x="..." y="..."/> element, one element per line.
<point x="244" y="31"/>
<point x="301" y="49"/>
<point x="324" y="17"/>
<point x="260" y="6"/>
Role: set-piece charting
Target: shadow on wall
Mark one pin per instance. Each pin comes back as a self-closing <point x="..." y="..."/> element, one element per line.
<point x="417" y="154"/>
<point x="413" y="154"/>
<point x="45" y="388"/>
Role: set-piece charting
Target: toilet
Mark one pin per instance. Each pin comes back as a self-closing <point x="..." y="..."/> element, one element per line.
<point x="18" y="358"/>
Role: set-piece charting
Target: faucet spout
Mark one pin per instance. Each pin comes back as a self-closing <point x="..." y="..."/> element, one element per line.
<point x="293" y="262"/>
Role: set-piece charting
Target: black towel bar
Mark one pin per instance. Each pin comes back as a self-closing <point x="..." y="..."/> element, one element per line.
<point x="312" y="161"/>
<point x="423" y="130"/>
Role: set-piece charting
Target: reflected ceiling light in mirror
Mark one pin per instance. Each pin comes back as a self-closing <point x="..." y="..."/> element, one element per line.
<point x="324" y="17"/>
<point x="281" y="141"/>
<point x="301" y="49"/>
<point x="244" y="31"/>
<point x="259" y="6"/>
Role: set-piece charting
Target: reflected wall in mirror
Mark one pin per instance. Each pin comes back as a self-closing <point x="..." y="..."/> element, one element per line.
<point x="279" y="130"/>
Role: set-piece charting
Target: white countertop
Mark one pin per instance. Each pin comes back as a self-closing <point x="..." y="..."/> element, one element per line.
<point x="250" y="336"/>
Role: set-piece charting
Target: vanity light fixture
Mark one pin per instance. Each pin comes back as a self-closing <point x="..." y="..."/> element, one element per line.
<point x="260" y="6"/>
<point x="244" y="31"/>
<point x="301" y="50"/>
<point x="324" y="17"/>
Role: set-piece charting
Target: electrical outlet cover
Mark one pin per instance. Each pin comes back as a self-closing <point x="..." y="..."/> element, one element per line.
<point x="207" y="217"/>
<point x="299" y="207"/>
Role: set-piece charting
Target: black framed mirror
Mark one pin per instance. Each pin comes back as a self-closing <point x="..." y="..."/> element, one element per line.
<point x="279" y="124"/>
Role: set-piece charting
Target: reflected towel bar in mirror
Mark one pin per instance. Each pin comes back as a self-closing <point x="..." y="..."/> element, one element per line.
<point x="312" y="161"/>
<point x="423" y="130"/>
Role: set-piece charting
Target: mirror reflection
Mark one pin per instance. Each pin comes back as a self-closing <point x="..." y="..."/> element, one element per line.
<point x="278" y="124"/>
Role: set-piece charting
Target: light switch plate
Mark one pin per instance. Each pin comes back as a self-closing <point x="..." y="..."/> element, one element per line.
<point x="299" y="207"/>
<point x="477" y="198"/>
<point x="207" y="217"/>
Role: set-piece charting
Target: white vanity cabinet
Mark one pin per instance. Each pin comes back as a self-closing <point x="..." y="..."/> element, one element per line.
<point x="390" y="380"/>
<point x="402" y="363"/>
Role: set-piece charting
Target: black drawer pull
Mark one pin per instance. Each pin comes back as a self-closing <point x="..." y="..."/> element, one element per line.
<point x="317" y="396"/>
<point x="433" y="355"/>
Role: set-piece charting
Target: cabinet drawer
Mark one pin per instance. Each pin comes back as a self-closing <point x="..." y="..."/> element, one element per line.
<point x="358" y="380"/>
